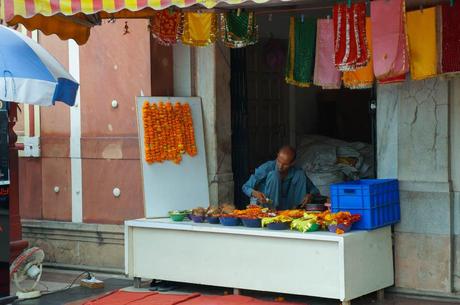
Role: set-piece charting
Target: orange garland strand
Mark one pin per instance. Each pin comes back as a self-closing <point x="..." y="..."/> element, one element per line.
<point x="146" y="115"/>
<point x="168" y="132"/>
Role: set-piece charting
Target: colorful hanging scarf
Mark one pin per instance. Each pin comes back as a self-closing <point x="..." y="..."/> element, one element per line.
<point x="167" y="27"/>
<point x="199" y="29"/>
<point x="301" y="51"/>
<point x="391" y="57"/>
<point x="450" y="41"/>
<point x="326" y="75"/>
<point x="362" y="78"/>
<point x="350" y="36"/>
<point x="421" y="31"/>
<point x="239" y="30"/>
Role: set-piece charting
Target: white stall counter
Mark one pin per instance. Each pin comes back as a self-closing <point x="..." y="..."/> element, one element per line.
<point x="320" y="264"/>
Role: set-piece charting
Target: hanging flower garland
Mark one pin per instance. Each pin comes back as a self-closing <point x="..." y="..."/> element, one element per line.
<point x="351" y="51"/>
<point x="148" y="133"/>
<point x="168" y="132"/>
<point x="239" y="29"/>
<point x="190" y="146"/>
<point x="167" y="27"/>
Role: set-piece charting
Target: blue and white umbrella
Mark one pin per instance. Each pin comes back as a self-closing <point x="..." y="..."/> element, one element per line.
<point x="31" y="75"/>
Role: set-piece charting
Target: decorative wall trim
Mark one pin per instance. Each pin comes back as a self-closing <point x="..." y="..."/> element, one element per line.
<point x="59" y="230"/>
<point x="80" y="246"/>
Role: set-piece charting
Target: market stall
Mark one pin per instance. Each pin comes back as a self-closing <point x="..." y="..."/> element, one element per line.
<point x="214" y="248"/>
<point x="320" y="264"/>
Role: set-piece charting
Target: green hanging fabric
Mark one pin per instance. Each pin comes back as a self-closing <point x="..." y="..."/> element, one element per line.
<point x="301" y="51"/>
<point x="239" y="30"/>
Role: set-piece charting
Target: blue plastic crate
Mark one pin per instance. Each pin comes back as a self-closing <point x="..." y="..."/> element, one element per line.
<point x="376" y="200"/>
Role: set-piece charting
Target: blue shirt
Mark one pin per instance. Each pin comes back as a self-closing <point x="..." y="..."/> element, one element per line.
<point x="286" y="193"/>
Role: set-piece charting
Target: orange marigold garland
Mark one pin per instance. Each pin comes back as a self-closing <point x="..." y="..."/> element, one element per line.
<point x="156" y="129"/>
<point x="168" y="132"/>
<point x="148" y="132"/>
<point x="190" y="147"/>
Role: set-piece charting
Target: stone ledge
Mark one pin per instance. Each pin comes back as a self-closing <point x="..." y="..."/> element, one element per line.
<point x="425" y="295"/>
<point x="425" y="186"/>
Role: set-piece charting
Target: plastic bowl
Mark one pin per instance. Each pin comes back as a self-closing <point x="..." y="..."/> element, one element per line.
<point x="197" y="219"/>
<point x="314" y="227"/>
<point x="252" y="222"/>
<point x="177" y="217"/>
<point x="279" y="225"/>
<point x="213" y="220"/>
<point x="344" y="228"/>
<point x="229" y="221"/>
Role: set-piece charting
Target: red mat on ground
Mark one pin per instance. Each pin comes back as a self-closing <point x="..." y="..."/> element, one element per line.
<point x="154" y="298"/>
<point x="232" y="300"/>
<point x="220" y="300"/>
<point x="119" y="298"/>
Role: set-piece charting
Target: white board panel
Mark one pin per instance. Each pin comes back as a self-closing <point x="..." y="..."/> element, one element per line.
<point x="168" y="186"/>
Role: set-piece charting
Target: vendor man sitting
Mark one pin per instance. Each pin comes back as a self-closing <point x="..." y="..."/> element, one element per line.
<point x="280" y="183"/>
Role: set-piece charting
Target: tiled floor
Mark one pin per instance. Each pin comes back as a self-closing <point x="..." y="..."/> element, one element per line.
<point x="54" y="280"/>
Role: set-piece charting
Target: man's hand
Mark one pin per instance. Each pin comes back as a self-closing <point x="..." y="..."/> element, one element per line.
<point x="259" y="196"/>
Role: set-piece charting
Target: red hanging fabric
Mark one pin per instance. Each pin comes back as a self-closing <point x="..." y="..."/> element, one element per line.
<point x="351" y="51"/>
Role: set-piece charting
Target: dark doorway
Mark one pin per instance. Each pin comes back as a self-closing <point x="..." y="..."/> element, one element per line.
<point x="267" y="113"/>
<point x="260" y="111"/>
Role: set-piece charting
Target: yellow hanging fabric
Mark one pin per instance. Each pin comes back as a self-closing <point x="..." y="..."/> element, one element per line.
<point x="362" y="78"/>
<point x="200" y="29"/>
<point x="421" y="30"/>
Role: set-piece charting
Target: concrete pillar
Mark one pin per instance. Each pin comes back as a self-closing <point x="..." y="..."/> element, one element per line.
<point x="210" y="67"/>
<point x="413" y="146"/>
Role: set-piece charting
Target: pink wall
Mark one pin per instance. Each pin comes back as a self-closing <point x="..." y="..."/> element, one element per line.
<point x="113" y="66"/>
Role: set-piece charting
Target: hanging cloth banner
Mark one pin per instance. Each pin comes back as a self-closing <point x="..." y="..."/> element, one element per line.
<point x="167" y="27"/>
<point x="239" y="30"/>
<point x="350" y="36"/>
<point x="421" y="31"/>
<point x="391" y="56"/>
<point x="301" y="51"/>
<point x="326" y="75"/>
<point x="362" y="78"/>
<point x="200" y="29"/>
<point x="450" y="41"/>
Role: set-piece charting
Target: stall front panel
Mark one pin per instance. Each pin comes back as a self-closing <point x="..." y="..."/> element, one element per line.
<point x="318" y="264"/>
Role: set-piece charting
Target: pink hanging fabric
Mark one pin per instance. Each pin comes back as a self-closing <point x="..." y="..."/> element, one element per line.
<point x="391" y="56"/>
<point x="326" y="74"/>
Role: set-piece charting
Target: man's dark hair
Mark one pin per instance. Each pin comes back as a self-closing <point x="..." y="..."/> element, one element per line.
<point x="290" y="150"/>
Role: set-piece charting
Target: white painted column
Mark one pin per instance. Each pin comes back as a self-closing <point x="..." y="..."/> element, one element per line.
<point x="75" y="137"/>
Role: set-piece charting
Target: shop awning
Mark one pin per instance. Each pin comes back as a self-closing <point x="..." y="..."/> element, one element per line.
<point x="74" y="18"/>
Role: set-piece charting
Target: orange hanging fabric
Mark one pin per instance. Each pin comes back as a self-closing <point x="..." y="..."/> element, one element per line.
<point x="200" y="29"/>
<point x="421" y="31"/>
<point x="363" y="77"/>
